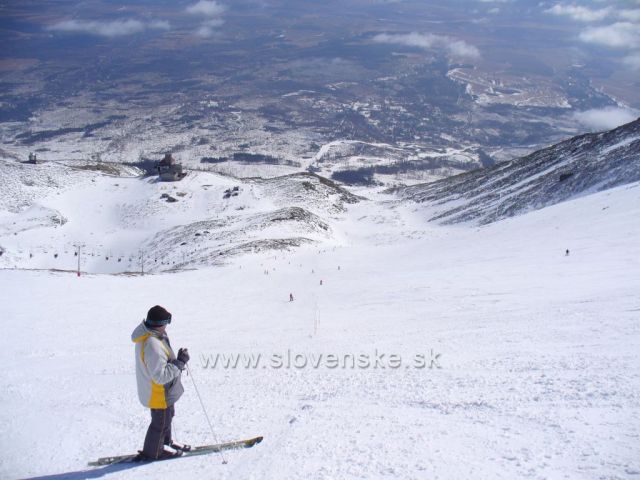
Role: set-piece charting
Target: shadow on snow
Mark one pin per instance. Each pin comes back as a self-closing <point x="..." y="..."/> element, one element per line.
<point x="89" y="473"/>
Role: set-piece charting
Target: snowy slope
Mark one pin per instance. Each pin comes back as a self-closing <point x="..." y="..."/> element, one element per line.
<point x="539" y="377"/>
<point x="578" y="166"/>
<point x="395" y="164"/>
<point x="129" y="223"/>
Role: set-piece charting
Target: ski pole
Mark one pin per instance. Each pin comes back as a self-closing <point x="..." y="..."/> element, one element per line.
<point x="213" y="433"/>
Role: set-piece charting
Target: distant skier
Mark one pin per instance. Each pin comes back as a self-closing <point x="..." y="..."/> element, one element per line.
<point x="291" y="297"/>
<point x="566" y="254"/>
<point x="158" y="372"/>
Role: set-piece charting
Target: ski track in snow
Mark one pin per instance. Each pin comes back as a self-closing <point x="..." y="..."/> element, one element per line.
<point x="539" y="354"/>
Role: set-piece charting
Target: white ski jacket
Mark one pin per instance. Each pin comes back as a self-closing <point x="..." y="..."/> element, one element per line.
<point x="159" y="384"/>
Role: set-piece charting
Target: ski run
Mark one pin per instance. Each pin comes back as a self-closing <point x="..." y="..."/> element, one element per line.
<point x="502" y="356"/>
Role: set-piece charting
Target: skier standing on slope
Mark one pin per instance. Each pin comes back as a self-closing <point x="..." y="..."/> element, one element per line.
<point x="158" y="372"/>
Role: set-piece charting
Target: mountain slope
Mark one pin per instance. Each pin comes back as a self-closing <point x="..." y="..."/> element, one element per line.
<point x="539" y="377"/>
<point x="126" y="223"/>
<point x="578" y="166"/>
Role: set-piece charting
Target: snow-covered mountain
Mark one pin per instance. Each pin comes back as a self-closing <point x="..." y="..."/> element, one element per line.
<point x="518" y="359"/>
<point x="531" y="366"/>
<point x="125" y="222"/>
<point x="579" y="166"/>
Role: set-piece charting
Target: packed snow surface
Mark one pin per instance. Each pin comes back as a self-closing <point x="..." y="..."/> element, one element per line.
<point x="531" y="358"/>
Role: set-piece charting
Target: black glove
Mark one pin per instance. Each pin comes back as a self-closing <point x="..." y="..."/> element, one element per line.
<point x="183" y="355"/>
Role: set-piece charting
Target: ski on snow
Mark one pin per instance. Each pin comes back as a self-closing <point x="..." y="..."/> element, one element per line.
<point x="201" y="450"/>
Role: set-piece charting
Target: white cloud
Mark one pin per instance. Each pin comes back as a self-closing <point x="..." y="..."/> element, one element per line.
<point x="160" y="25"/>
<point x="206" y="8"/>
<point x="115" y="28"/>
<point x="585" y="14"/>
<point x="617" y="35"/>
<point x="622" y="31"/>
<point x="605" y="118"/>
<point x="631" y="15"/>
<point x="208" y="28"/>
<point x="211" y="9"/>
<point x="460" y="48"/>
<point x="581" y="14"/>
<point x="456" y="48"/>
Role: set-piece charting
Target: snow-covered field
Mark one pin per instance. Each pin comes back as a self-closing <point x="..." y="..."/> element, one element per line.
<point x="538" y="373"/>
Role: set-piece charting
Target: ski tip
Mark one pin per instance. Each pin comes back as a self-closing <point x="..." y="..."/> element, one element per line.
<point x="254" y="441"/>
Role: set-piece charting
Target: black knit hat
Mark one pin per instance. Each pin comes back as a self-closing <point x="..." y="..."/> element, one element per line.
<point x="157" y="316"/>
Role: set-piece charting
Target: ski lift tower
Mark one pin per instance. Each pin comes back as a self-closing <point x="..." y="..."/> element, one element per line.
<point x="79" y="247"/>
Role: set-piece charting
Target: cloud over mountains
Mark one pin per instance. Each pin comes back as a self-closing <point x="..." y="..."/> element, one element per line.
<point x="207" y="12"/>
<point x="427" y="41"/>
<point x="212" y="11"/>
<point x="605" y="118"/>
<point x="206" y="8"/>
<point x="616" y="35"/>
<point x="616" y="26"/>
<point x="580" y="13"/>
<point x="115" y="28"/>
